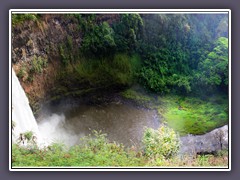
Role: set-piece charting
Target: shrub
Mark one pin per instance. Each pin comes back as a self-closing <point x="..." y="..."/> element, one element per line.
<point x="22" y="72"/>
<point x="38" y="64"/>
<point x="21" y="18"/>
<point x="163" y="142"/>
<point x="152" y="80"/>
<point x="28" y="135"/>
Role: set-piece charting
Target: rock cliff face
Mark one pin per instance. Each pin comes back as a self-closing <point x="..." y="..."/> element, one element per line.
<point x="40" y="41"/>
<point x="39" y="48"/>
<point x="43" y="37"/>
<point x="203" y="144"/>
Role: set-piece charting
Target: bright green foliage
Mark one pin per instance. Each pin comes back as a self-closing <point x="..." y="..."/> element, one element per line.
<point x="112" y="156"/>
<point x="195" y="116"/>
<point x="214" y="69"/>
<point x="28" y="135"/>
<point x="20" y="18"/>
<point x="181" y="83"/>
<point x="163" y="143"/>
<point x="94" y="150"/>
<point x="153" y="80"/>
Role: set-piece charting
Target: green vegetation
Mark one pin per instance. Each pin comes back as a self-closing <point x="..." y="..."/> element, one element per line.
<point x="214" y="69"/>
<point x="38" y="64"/>
<point x="185" y="114"/>
<point x="21" y="18"/>
<point x="182" y="54"/>
<point x="219" y="160"/>
<point x="28" y="70"/>
<point x="96" y="151"/>
<point x="181" y="60"/>
<point x="195" y="116"/>
<point x="185" y="54"/>
<point x="112" y="72"/>
<point x="99" y="40"/>
<point x="128" y="32"/>
<point x="22" y="72"/>
<point x="66" y="52"/>
<point x="136" y="96"/>
<point x="28" y="135"/>
<point x="163" y="143"/>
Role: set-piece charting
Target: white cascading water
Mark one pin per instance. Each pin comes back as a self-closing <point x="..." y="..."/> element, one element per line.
<point x="22" y="115"/>
<point x="48" y="131"/>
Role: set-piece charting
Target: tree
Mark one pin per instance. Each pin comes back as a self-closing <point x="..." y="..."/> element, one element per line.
<point x="127" y="32"/>
<point x="213" y="71"/>
<point x="99" y="40"/>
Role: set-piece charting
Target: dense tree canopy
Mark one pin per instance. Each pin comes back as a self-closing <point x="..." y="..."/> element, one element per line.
<point x="179" y="53"/>
<point x="182" y="53"/>
<point x="213" y="70"/>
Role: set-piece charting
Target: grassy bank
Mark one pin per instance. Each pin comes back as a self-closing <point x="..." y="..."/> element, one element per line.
<point x="185" y="114"/>
<point x="195" y="116"/>
<point x="97" y="151"/>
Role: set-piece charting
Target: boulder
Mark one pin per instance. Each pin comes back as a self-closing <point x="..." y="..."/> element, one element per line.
<point x="208" y="143"/>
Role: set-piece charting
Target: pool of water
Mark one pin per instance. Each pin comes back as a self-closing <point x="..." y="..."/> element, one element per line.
<point x="122" y="122"/>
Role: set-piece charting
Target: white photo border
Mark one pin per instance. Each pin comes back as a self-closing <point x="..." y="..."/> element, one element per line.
<point x="118" y="11"/>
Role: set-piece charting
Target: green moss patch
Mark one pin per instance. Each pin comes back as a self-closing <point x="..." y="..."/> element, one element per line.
<point x="195" y="116"/>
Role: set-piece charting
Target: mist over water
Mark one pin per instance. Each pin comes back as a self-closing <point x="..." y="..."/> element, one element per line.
<point x="121" y="122"/>
<point x="53" y="131"/>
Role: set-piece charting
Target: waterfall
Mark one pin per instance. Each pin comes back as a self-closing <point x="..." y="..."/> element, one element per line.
<point x="48" y="131"/>
<point x="22" y="115"/>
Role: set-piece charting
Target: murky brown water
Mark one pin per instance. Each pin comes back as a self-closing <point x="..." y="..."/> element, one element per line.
<point x="123" y="123"/>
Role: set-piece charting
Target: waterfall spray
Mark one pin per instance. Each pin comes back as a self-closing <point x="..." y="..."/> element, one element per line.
<point x="22" y="115"/>
<point x="48" y="131"/>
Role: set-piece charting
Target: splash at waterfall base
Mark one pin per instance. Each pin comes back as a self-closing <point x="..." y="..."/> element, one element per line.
<point x="25" y="130"/>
